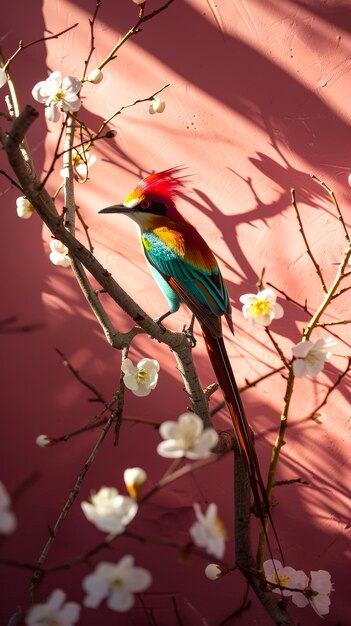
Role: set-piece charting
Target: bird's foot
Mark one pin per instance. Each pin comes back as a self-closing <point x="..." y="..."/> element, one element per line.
<point x="189" y="332"/>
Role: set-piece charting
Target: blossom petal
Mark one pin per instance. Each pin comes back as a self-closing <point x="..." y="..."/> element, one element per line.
<point x="120" y="600"/>
<point x="71" y="104"/>
<point x="321" y="581"/>
<point x="299" y="599"/>
<point x="37" y="92"/>
<point x="301" y="349"/>
<point x="52" y="112"/>
<point x="321" y="604"/>
<point x="70" y="613"/>
<point x="140" y="580"/>
<point x="169" y="449"/>
<point x="71" y="85"/>
<point x="267" y="295"/>
<point x="278" y="311"/>
<point x="168" y="429"/>
<point x="299" y="368"/>
<point x="3" y="77"/>
<point x="130" y="381"/>
<point x="149" y="365"/>
<point x="248" y="298"/>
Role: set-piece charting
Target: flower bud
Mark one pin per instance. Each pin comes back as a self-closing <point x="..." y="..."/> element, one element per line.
<point x="134" y="478"/>
<point x="44" y="441"/>
<point x="95" y="76"/>
<point x="24" y="208"/>
<point x="213" y="571"/>
<point x="157" y="106"/>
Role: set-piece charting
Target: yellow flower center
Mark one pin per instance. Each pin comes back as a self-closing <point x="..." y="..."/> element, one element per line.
<point x="50" y="621"/>
<point x="77" y="160"/>
<point x="221" y="528"/>
<point x="142" y="376"/>
<point x="117" y="582"/>
<point x="283" y="581"/>
<point x="59" y="95"/>
<point x="260" y="307"/>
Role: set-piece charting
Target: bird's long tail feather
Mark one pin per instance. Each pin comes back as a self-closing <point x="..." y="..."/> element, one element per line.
<point x="226" y="380"/>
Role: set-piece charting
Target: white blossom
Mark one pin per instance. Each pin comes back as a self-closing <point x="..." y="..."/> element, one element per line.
<point x="58" y="94"/>
<point x="261" y="308"/>
<point x="310" y="357"/>
<point x="8" y="521"/>
<point x="95" y="76"/>
<point x="24" y="208"/>
<point x="142" y="378"/>
<point x="317" y="590"/>
<point x="55" y="612"/>
<point x="139" y="1"/>
<point x="208" y="531"/>
<point x="278" y="575"/>
<point x="109" y="511"/>
<point x="186" y="437"/>
<point x="213" y="571"/>
<point x="3" y="77"/>
<point x="44" y="441"/>
<point x="115" y="583"/>
<point x="157" y="106"/>
<point x="82" y="161"/>
<point x="134" y="478"/>
<point x="59" y="253"/>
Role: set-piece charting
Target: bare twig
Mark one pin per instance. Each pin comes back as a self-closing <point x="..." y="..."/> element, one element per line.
<point x="332" y="387"/>
<point x="23" y="46"/>
<point x="133" y="31"/>
<point x="332" y="195"/>
<point x="92" y="39"/>
<point x="248" y="385"/>
<point x="308" y="249"/>
<point x="71" y="499"/>
<point x="98" y="396"/>
<point x="126" y="106"/>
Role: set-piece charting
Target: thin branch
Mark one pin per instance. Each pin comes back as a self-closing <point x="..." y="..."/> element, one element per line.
<point x="332" y="388"/>
<point x="274" y="462"/>
<point x="308" y="249"/>
<point x="86" y="230"/>
<point x="71" y="499"/>
<point x="289" y="299"/>
<point x="332" y="195"/>
<point x="12" y="181"/>
<point x="249" y="384"/>
<point x="243" y="554"/>
<point x="126" y="106"/>
<point x="278" y="348"/>
<point x="330" y="295"/>
<point x="132" y="31"/>
<point x="92" y="39"/>
<point x="65" y="361"/>
<point x="23" y="46"/>
<point x="120" y="397"/>
<point x="334" y="323"/>
<point x="245" y="605"/>
<point x="56" y="155"/>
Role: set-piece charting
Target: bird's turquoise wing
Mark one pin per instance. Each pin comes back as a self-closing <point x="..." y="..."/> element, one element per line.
<point x="199" y="285"/>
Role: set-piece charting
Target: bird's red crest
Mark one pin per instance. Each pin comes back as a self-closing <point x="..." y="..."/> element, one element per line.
<point x="166" y="184"/>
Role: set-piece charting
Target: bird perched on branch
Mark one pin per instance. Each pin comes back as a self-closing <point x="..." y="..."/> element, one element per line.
<point x="187" y="271"/>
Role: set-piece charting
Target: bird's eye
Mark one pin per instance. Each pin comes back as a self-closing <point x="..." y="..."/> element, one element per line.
<point x="145" y="204"/>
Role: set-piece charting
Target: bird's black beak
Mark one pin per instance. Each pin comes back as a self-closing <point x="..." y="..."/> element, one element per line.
<point x="115" y="208"/>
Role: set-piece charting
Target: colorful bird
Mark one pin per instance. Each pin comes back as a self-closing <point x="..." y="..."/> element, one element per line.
<point x="187" y="271"/>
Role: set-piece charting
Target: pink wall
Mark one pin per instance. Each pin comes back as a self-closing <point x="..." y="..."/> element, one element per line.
<point x="258" y="102"/>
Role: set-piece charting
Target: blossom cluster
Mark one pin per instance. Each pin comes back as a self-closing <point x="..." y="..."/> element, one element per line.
<point x="314" y="589"/>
